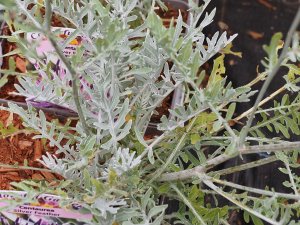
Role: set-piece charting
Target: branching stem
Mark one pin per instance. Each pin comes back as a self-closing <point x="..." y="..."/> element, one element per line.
<point x="246" y="166"/>
<point x="238" y="203"/>
<point x="190" y="173"/>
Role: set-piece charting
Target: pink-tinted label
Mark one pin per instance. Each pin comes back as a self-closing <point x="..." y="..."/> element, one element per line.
<point x="45" y="50"/>
<point x="44" y="208"/>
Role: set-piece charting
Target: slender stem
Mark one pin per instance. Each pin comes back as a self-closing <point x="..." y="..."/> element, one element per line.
<point x="166" y="133"/>
<point x="294" y="187"/>
<point x="244" y="166"/>
<point x="286" y="146"/>
<point x="188" y="204"/>
<point x="69" y="67"/>
<point x="24" y="168"/>
<point x="169" y="159"/>
<point x="278" y="108"/>
<point x="174" y="152"/>
<point x="65" y="61"/>
<point x="190" y="173"/>
<point x="216" y="152"/>
<point x="238" y="203"/>
<point x="74" y="83"/>
<point x="227" y="127"/>
<point x="274" y="71"/>
<point x="22" y="131"/>
<point x="270" y="121"/>
<point x="48" y="14"/>
<point x="256" y="190"/>
<point x="270" y="97"/>
<point x="224" y="222"/>
<point x="260" y="77"/>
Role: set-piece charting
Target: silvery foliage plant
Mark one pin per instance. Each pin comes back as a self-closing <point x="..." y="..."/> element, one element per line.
<point x="127" y="65"/>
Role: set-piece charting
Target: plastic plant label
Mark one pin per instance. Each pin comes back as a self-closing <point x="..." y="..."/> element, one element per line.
<point x="45" y="50"/>
<point x="44" y="211"/>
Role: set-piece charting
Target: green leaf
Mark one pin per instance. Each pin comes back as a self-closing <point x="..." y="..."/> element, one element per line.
<point x="151" y="156"/>
<point x="272" y="50"/>
<point x="256" y="220"/>
<point x="217" y="72"/>
<point x="205" y="118"/>
<point x="192" y="158"/>
<point x="13" y="52"/>
<point x="185" y="52"/>
<point x="7" y="3"/>
<point x="195" y="138"/>
<point x="164" y="188"/>
<point x="231" y="149"/>
<point x="11" y="64"/>
<point x="227" y="50"/>
<point x="184" y="157"/>
<point x="282" y="129"/>
<point x="99" y="187"/>
<point x="88" y="147"/>
<point x="230" y="111"/>
<point x="246" y="216"/>
<point x="87" y="179"/>
<point x="217" y="125"/>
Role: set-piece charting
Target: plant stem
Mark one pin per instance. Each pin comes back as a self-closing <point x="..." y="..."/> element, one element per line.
<point x="270" y="121"/>
<point x="24" y="168"/>
<point x="69" y="67"/>
<point x="260" y="77"/>
<point x="174" y="152"/>
<point x="190" y="173"/>
<point x="270" y="97"/>
<point x="63" y="58"/>
<point x="278" y="108"/>
<point x="188" y="204"/>
<point x="239" y="204"/>
<point x="74" y="83"/>
<point x="227" y="127"/>
<point x="224" y="222"/>
<point x="274" y="71"/>
<point x="294" y="187"/>
<point x="286" y="146"/>
<point x="166" y="133"/>
<point x="244" y="166"/>
<point x="48" y="14"/>
<point x="256" y="190"/>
